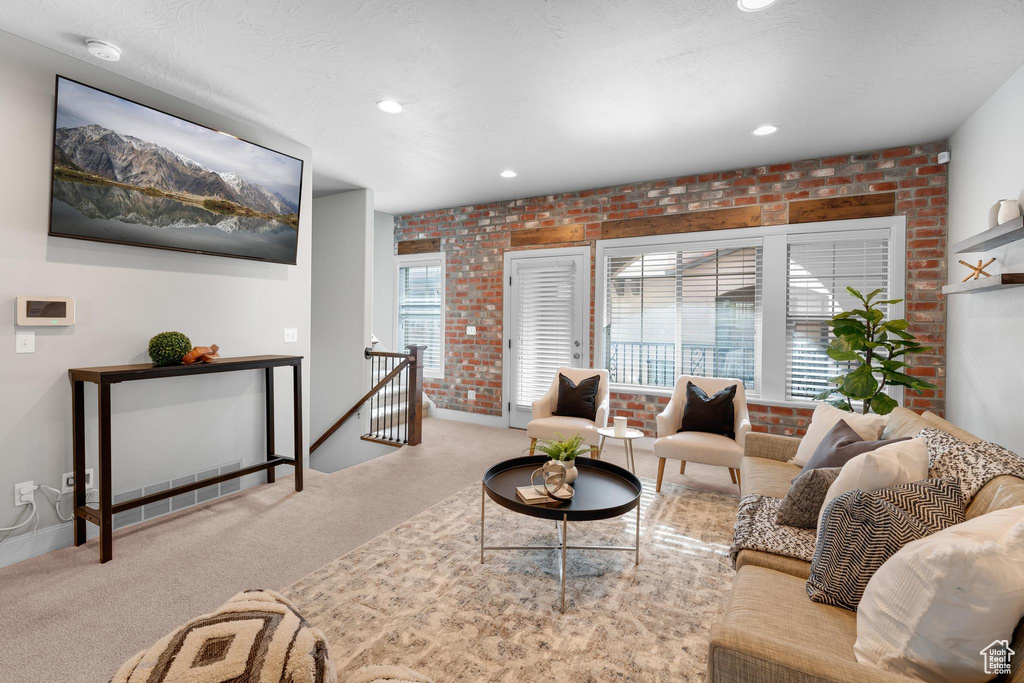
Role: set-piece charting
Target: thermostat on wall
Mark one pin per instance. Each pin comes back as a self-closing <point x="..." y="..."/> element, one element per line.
<point x="45" y="310"/>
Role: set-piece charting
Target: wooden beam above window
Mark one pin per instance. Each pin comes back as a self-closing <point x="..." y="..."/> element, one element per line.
<point x="695" y="221"/>
<point x="841" y="208"/>
<point x="528" y="237"/>
<point x="423" y="246"/>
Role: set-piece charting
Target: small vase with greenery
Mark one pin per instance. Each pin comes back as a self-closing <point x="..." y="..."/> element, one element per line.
<point x="564" y="451"/>
<point x="877" y="349"/>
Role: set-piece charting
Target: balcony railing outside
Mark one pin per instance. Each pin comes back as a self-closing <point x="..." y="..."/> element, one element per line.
<point x="656" y="364"/>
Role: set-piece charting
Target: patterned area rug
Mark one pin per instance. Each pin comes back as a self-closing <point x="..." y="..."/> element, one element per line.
<point x="418" y="596"/>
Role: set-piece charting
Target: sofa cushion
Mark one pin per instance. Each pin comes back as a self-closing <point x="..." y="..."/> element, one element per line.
<point x="898" y="462"/>
<point x="903" y="422"/>
<point x="764" y="600"/>
<point x="841" y="445"/>
<point x="577" y="399"/>
<point x="765" y="477"/>
<point x="711" y="414"/>
<point x="824" y="418"/>
<point x="937" y="422"/>
<point x="803" y="501"/>
<point x="710" y="449"/>
<point x="777" y="563"/>
<point x="860" y="530"/>
<point x="998" y="494"/>
<point x="936" y="605"/>
<point x="255" y="636"/>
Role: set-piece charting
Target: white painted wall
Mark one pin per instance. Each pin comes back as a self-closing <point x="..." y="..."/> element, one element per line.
<point x="343" y="236"/>
<point x="124" y="296"/>
<point x="383" y="324"/>
<point x="985" y="366"/>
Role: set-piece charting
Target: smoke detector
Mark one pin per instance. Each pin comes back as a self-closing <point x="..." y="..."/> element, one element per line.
<point x="101" y="49"/>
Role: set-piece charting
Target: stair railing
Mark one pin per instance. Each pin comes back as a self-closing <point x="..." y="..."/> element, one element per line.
<point x="395" y="398"/>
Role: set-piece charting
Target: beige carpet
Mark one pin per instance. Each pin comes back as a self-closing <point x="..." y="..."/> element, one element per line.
<point x="418" y="596"/>
<point x="68" y="618"/>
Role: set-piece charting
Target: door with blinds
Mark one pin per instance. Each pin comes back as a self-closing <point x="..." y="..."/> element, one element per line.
<point x="546" y="325"/>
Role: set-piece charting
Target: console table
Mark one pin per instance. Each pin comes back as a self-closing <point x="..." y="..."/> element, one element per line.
<point x="104" y="377"/>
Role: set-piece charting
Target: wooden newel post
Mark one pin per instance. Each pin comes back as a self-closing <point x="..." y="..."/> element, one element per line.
<point x="415" y="394"/>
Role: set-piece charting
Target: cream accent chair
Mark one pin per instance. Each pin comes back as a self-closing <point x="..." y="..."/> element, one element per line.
<point x="709" y="449"/>
<point x="545" y="425"/>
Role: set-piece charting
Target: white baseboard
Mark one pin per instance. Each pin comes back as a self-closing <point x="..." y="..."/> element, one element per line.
<point x="474" y="418"/>
<point x="39" y="542"/>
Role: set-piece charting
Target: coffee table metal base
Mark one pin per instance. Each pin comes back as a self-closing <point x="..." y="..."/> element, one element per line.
<point x="563" y="536"/>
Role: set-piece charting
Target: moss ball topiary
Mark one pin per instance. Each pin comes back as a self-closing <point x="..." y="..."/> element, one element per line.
<point x="168" y="348"/>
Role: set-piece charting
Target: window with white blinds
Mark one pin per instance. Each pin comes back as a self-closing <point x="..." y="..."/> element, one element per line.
<point x="546" y="301"/>
<point x="421" y="310"/>
<point x="754" y="304"/>
<point x="693" y="309"/>
<point x="819" y="271"/>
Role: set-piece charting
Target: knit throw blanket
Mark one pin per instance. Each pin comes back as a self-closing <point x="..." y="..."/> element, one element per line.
<point x="974" y="465"/>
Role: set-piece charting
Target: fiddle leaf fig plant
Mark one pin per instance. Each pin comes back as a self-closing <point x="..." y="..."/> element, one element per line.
<point x="877" y="349"/>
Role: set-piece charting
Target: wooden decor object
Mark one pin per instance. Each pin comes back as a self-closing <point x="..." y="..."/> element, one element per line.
<point x="978" y="270"/>
<point x="842" y="208"/>
<point x="528" y="237"/>
<point x="695" y="221"/>
<point x="423" y="246"/>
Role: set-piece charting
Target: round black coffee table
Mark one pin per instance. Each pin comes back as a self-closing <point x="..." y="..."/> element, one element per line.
<point x="603" y="491"/>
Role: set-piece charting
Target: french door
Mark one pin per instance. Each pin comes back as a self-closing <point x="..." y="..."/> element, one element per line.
<point x="547" y="296"/>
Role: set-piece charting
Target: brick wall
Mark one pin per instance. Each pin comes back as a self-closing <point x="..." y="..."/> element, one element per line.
<point x="475" y="238"/>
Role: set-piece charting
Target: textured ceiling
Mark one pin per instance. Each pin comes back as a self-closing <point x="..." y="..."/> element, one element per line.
<point x="570" y="93"/>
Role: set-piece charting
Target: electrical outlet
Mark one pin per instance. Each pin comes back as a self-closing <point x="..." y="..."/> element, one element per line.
<point x="25" y="342"/>
<point x="470" y="330"/>
<point x="67" y="482"/>
<point x="471" y="394"/>
<point x="291" y="334"/>
<point x="24" y="493"/>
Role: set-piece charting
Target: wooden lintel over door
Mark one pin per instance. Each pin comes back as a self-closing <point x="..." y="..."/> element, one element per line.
<point x="423" y="246"/>
<point x="695" y="221"/>
<point x="842" y="208"/>
<point x="556" y="234"/>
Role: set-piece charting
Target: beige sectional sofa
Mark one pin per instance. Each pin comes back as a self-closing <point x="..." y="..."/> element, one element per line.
<point x="771" y="630"/>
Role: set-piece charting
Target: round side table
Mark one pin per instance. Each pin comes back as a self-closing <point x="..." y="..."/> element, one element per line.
<point x="627" y="441"/>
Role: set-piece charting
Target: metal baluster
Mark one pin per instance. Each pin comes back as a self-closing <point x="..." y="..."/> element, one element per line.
<point x="376" y="398"/>
<point x="400" y="438"/>
<point x="391" y="411"/>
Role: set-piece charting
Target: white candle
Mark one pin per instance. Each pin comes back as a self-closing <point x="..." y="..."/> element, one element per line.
<point x="620" y="426"/>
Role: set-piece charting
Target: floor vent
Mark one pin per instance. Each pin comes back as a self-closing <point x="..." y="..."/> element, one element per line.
<point x="179" y="502"/>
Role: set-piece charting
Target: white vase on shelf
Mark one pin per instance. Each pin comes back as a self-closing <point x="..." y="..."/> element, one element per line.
<point x="1008" y="210"/>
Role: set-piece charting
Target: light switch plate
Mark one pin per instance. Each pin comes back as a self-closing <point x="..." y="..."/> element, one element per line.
<point x="25" y="342"/>
<point x="471" y="395"/>
<point x="291" y="334"/>
<point x="470" y="330"/>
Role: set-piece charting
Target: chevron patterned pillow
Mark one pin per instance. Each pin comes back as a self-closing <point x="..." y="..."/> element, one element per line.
<point x="862" y="529"/>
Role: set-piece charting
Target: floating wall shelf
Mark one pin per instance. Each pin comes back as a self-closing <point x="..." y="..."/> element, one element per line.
<point x="997" y="281"/>
<point x="1011" y="231"/>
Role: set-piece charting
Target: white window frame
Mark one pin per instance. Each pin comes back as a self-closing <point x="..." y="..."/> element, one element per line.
<point x="404" y="261"/>
<point x="771" y="366"/>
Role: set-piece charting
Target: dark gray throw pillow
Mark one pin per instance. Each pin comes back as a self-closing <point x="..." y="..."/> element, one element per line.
<point x="802" y="504"/>
<point x="577" y="400"/>
<point x="711" y="415"/>
<point x="841" y="445"/>
<point x="862" y="529"/>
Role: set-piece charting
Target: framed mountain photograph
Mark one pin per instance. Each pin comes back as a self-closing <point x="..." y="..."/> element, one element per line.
<point x="130" y="174"/>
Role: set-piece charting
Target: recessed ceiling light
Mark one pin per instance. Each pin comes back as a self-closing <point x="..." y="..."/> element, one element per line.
<point x="389" y="106"/>
<point x="766" y="129"/>
<point x="103" y="50"/>
<point x="509" y="174"/>
<point x="754" y="5"/>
